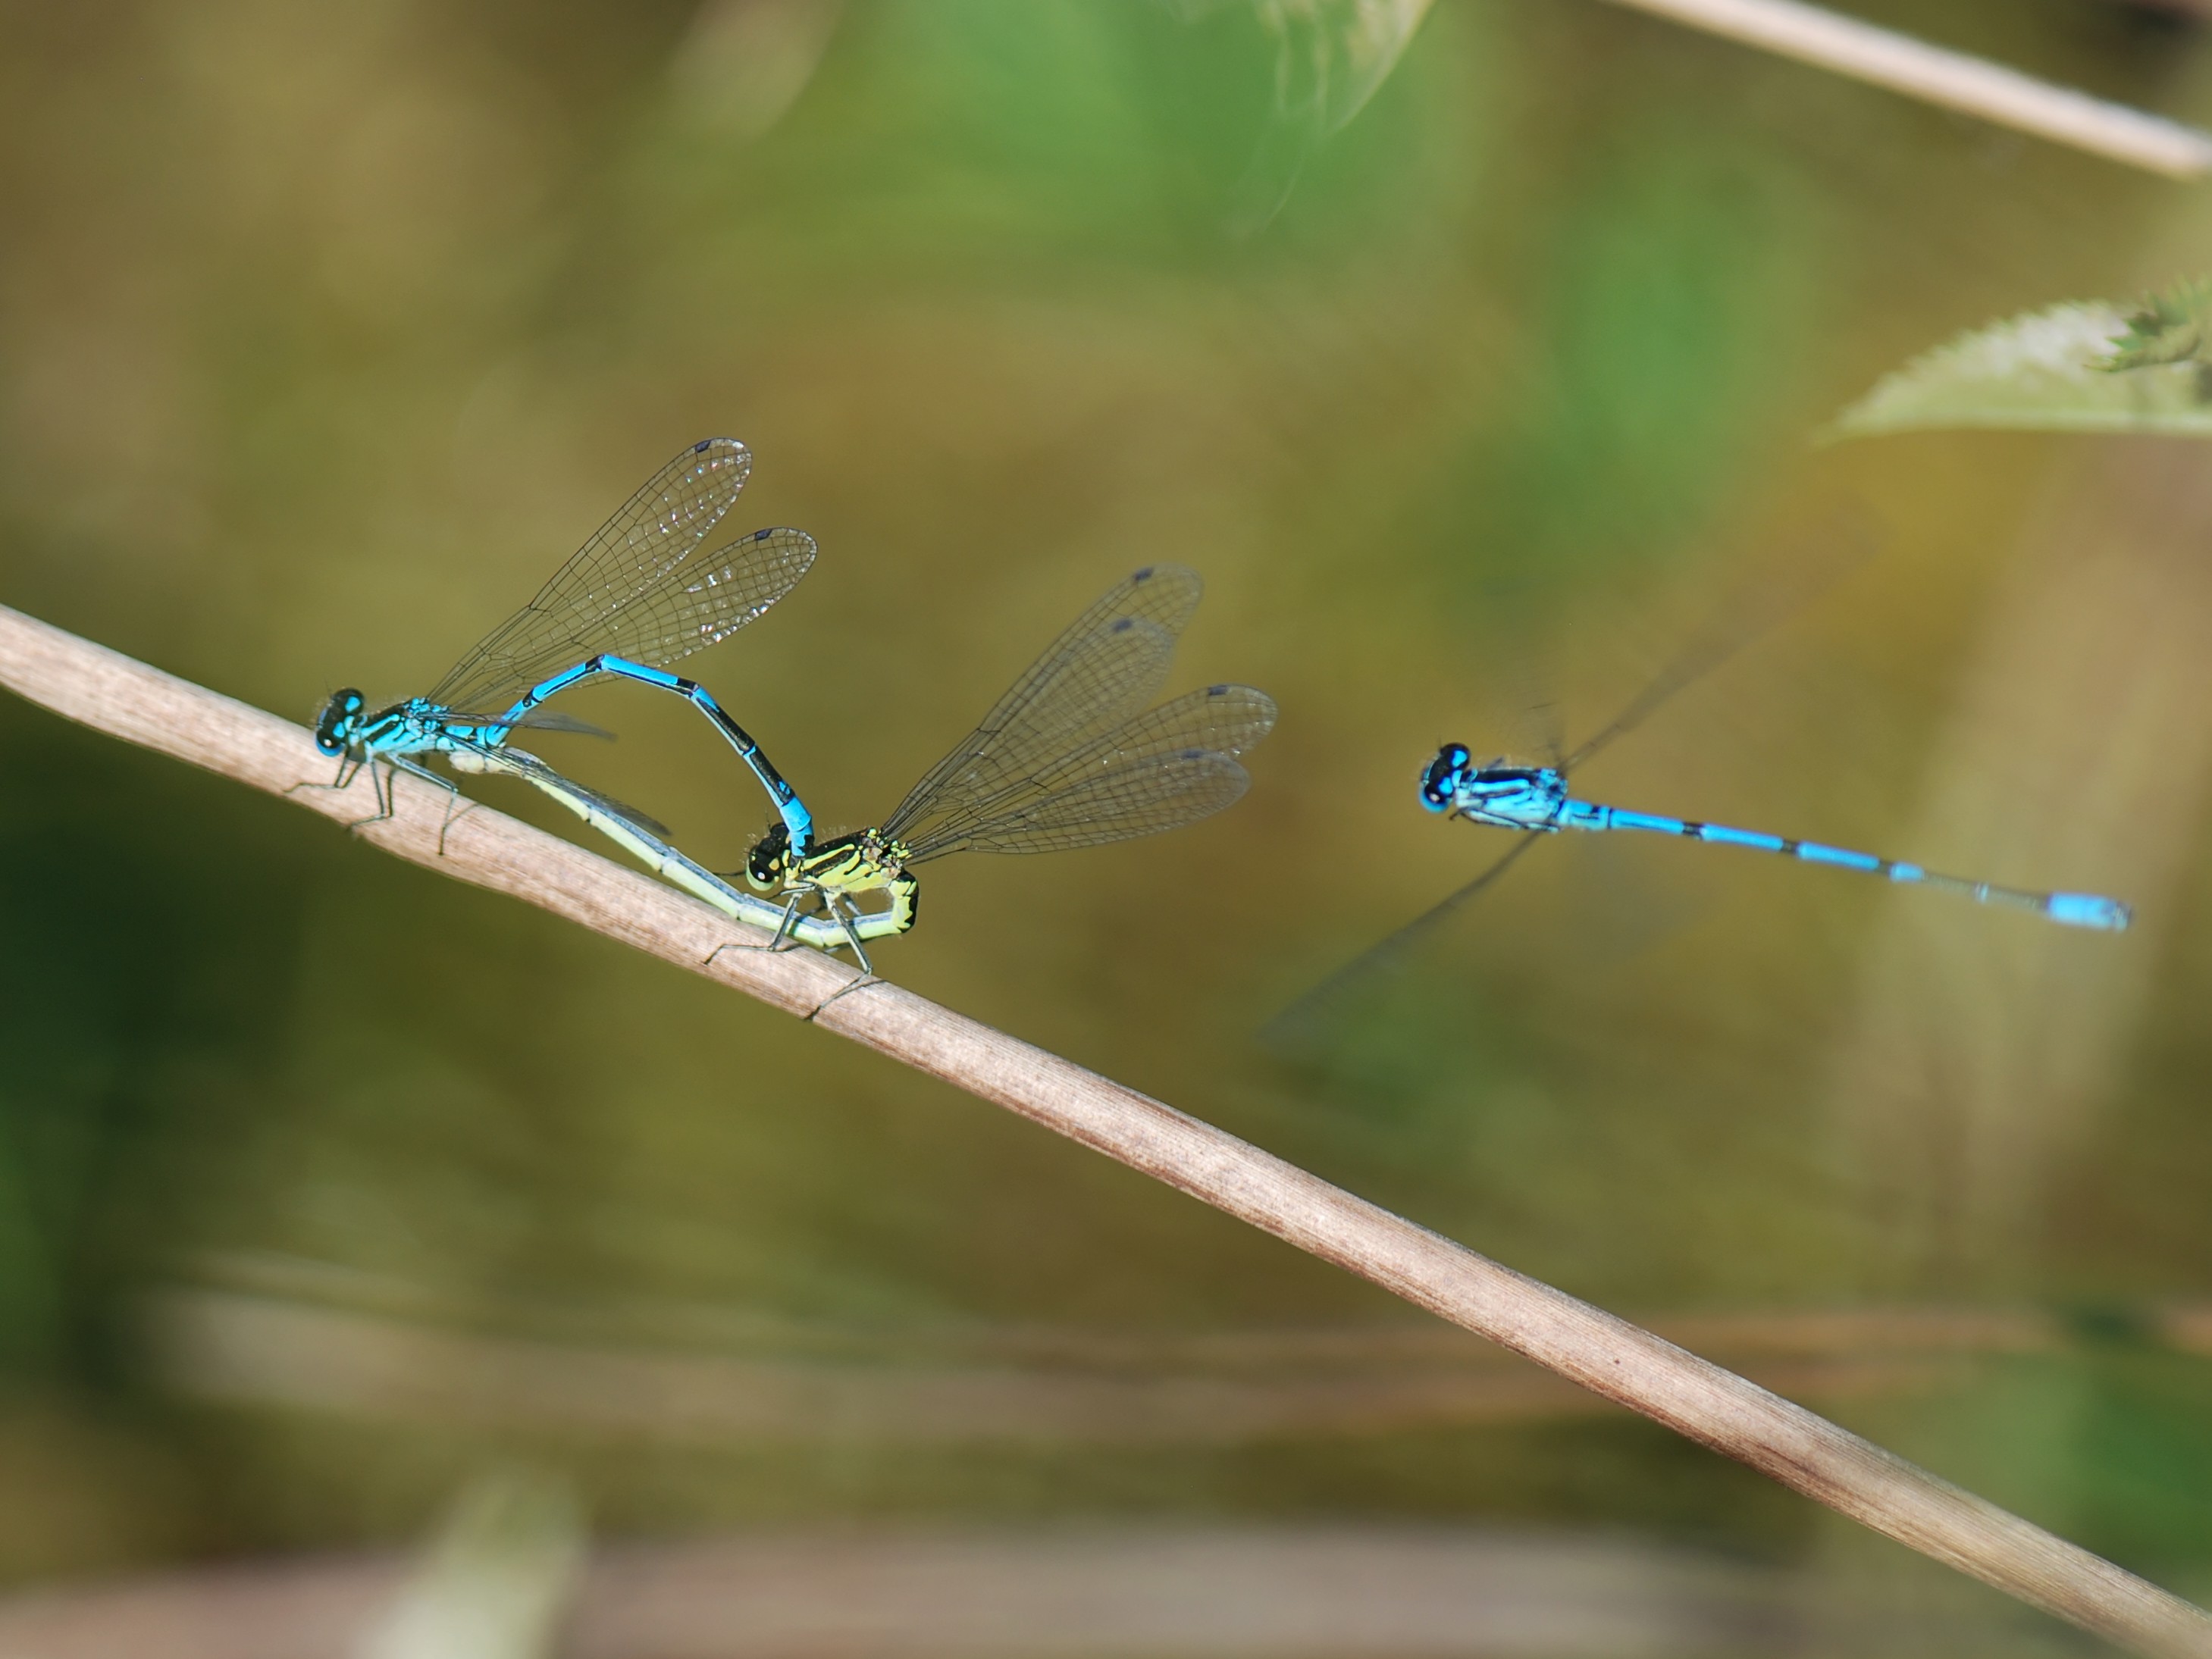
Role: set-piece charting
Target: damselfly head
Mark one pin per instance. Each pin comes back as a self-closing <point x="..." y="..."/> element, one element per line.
<point x="1442" y="778"/>
<point x="770" y="858"/>
<point x="338" y="726"/>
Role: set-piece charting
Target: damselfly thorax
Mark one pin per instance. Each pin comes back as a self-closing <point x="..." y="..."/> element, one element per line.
<point x="830" y="879"/>
<point x="345" y="729"/>
<point x="1504" y="794"/>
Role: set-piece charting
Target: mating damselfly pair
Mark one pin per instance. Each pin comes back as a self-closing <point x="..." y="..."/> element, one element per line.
<point x="1073" y="754"/>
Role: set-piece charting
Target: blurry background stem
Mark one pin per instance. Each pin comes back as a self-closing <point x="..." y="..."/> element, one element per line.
<point x="112" y="693"/>
<point x="1954" y="80"/>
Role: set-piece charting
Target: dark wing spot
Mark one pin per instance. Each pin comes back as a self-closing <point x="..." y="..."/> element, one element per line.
<point x="1144" y="576"/>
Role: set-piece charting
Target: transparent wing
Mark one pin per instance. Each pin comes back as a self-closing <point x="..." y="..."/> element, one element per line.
<point x="523" y="764"/>
<point x="1108" y="663"/>
<point x="1142" y="798"/>
<point x="1220" y="720"/>
<point x="1228" y="720"/>
<point x="1525" y="662"/>
<point x="552" y="720"/>
<point x="1308" y="1014"/>
<point x="1533" y="730"/>
<point x="1845" y="537"/>
<point x="630" y="814"/>
<point x="637" y="589"/>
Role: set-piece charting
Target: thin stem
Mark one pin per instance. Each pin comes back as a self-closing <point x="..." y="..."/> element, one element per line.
<point x="1608" y="1356"/>
<point x="1954" y="80"/>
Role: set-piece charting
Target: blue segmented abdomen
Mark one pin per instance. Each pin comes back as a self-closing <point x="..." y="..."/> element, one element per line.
<point x="792" y="811"/>
<point x="2068" y="910"/>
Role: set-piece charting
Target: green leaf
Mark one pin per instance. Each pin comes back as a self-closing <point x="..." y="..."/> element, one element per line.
<point x="2169" y="329"/>
<point x="2071" y="368"/>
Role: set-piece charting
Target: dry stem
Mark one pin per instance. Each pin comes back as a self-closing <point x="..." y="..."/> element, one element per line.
<point x="114" y="693"/>
<point x="1953" y="80"/>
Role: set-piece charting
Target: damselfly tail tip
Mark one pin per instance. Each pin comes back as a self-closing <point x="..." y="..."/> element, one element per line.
<point x="2089" y="910"/>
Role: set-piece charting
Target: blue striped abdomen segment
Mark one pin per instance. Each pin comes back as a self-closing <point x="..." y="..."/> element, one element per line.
<point x="2069" y="909"/>
<point x="2087" y="910"/>
<point x="796" y="818"/>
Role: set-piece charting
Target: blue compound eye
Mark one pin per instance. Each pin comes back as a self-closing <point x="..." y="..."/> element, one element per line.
<point x="1444" y="772"/>
<point x="336" y="723"/>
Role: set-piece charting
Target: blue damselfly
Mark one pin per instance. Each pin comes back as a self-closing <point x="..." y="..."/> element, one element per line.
<point x="633" y="600"/>
<point x="1531" y="798"/>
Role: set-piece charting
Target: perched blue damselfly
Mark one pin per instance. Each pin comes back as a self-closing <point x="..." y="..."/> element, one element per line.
<point x="633" y="600"/>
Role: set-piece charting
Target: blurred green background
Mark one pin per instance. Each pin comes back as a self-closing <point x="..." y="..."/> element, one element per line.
<point x="326" y="332"/>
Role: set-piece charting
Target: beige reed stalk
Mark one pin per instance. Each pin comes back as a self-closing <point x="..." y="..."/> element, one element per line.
<point x="1953" y="80"/>
<point x="126" y="699"/>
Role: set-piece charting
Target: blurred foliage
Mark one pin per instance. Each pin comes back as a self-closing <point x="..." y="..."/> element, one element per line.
<point x="2169" y="328"/>
<point x="326" y="333"/>
<point x="497" y="1578"/>
<point x="1331" y="57"/>
<point x="2081" y="367"/>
